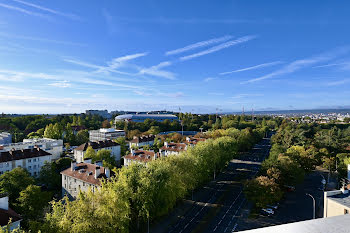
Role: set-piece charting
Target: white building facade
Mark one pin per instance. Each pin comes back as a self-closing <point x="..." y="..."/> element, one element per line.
<point x="5" y="138"/>
<point x="30" y="159"/>
<point x="105" y="134"/>
<point x="52" y="146"/>
<point x="114" y="147"/>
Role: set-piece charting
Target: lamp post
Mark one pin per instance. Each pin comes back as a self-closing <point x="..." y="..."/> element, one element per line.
<point x="313" y="204"/>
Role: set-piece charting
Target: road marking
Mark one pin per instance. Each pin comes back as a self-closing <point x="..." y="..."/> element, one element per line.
<point x="225" y="229"/>
<point x="234" y="228"/>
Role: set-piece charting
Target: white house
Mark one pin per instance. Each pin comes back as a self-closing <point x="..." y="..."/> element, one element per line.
<point x="172" y="148"/>
<point x="142" y="141"/>
<point x="6" y="213"/>
<point x="112" y="146"/>
<point x="30" y="159"/>
<point x="140" y="156"/>
<point x="82" y="177"/>
<point x="52" y="146"/>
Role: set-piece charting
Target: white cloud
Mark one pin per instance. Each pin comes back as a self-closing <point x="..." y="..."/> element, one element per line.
<point x="71" y="16"/>
<point x="302" y="63"/>
<point x="27" y="12"/>
<point x="156" y="71"/>
<point x="253" y="67"/>
<point x="337" y="83"/>
<point x="199" y="45"/>
<point x="61" y="84"/>
<point x="218" y="47"/>
<point x="208" y="79"/>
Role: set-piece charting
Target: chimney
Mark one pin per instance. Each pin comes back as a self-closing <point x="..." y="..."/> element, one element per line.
<point x="87" y="160"/>
<point x="72" y="165"/>
<point x="155" y="156"/>
<point x="97" y="172"/>
<point x="4" y="203"/>
<point x="107" y="172"/>
<point x="166" y="144"/>
<point x="188" y="139"/>
<point x="132" y="151"/>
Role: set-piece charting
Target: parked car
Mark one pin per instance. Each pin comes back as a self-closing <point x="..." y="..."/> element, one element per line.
<point x="273" y="207"/>
<point x="267" y="212"/>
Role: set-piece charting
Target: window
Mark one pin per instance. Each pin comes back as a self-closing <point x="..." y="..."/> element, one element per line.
<point x="83" y="183"/>
<point x="29" y="167"/>
<point x="34" y="166"/>
<point x="7" y="164"/>
<point x="34" y="160"/>
<point x="346" y="211"/>
<point x="34" y="173"/>
<point x="65" y="177"/>
<point x="29" y="160"/>
<point x="1" y="165"/>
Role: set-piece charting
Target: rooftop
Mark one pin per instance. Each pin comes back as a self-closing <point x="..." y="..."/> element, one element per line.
<point x="143" y="138"/>
<point x="142" y="156"/>
<point x="86" y="172"/>
<point x="343" y="199"/>
<point x="96" y="145"/>
<point x="21" y="154"/>
<point x="6" y="215"/>
<point x="174" y="147"/>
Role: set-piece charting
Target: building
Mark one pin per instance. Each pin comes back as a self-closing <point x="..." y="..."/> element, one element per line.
<point x="30" y="159"/>
<point x="142" y="141"/>
<point x="82" y="177"/>
<point x="143" y="117"/>
<point x="336" y="202"/>
<point x="5" y="138"/>
<point x="112" y="146"/>
<point x="191" y="141"/>
<point x="339" y="224"/>
<point x="52" y="146"/>
<point x="105" y="134"/>
<point x="6" y="213"/>
<point x="140" y="156"/>
<point x="172" y="148"/>
<point x="102" y="113"/>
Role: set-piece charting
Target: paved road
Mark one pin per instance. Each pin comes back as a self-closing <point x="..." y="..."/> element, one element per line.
<point x="217" y="205"/>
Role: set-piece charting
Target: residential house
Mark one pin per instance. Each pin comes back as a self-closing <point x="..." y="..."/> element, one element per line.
<point x="52" y="146"/>
<point x="191" y="141"/>
<point x="30" y="159"/>
<point x="112" y="146"/>
<point x="171" y="148"/>
<point x="7" y="214"/>
<point x="142" y="141"/>
<point x="82" y="177"/>
<point x="140" y="156"/>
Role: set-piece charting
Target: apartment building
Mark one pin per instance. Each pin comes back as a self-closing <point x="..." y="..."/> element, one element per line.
<point x="52" y="146"/>
<point x="7" y="214"/>
<point x="142" y="141"/>
<point x="112" y="146"/>
<point x="105" y="134"/>
<point x="81" y="177"/>
<point x="171" y="148"/>
<point x="30" y="159"/>
<point x="140" y="156"/>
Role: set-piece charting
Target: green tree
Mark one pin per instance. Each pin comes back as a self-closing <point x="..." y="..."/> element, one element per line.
<point x="14" y="181"/>
<point x="31" y="202"/>
<point x="90" y="153"/>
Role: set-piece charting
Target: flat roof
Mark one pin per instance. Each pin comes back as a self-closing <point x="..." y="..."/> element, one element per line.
<point x="343" y="199"/>
<point x="339" y="224"/>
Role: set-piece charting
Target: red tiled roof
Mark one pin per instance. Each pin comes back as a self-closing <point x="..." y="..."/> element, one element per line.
<point x="174" y="147"/>
<point x="85" y="172"/>
<point x="142" y="156"/>
<point x="194" y="140"/>
<point x="6" y="215"/>
<point x="97" y="145"/>
<point x="21" y="154"/>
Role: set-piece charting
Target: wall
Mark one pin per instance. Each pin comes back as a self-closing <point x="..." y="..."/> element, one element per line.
<point x="71" y="186"/>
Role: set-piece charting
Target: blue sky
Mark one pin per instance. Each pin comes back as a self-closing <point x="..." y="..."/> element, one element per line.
<point x="67" y="56"/>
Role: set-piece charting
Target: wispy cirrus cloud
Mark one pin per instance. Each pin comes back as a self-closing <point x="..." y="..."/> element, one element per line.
<point x="302" y="63"/>
<point x="158" y="71"/>
<point x="209" y="79"/>
<point x="48" y="10"/>
<point x="61" y="84"/>
<point x="339" y="82"/>
<point x="40" y="39"/>
<point x="218" y="47"/>
<point x="22" y="10"/>
<point x="253" y="67"/>
<point x="199" y="45"/>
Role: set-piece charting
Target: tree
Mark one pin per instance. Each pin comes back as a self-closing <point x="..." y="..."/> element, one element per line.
<point x="262" y="191"/>
<point x="106" y="124"/>
<point x="107" y="158"/>
<point x="14" y="181"/>
<point x="90" y="153"/>
<point x="82" y="137"/>
<point x="31" y="202"/>
<point x="122" y="142"/>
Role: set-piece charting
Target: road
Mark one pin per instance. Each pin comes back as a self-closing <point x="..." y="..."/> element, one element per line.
<point x="216" y="206"/>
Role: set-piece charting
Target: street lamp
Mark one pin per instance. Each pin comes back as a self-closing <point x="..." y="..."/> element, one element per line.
<point x="313" y="203"/>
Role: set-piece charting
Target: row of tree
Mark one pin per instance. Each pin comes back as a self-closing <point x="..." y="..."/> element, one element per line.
<point x="141" y="192"/>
